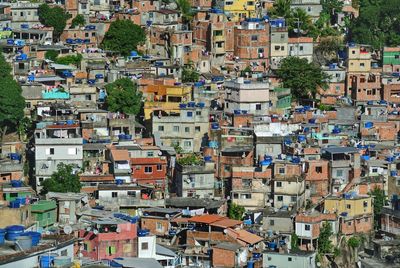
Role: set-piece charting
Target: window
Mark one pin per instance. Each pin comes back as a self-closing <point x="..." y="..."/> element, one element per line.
<point x="277" y="47"/>
<point x="362" y="64"/>
<point x="278" y="184"/>
<point x="301" y="48"/>
<point x="187" y="144"/>
<point x="131" y="193"/>
<point x="50" y="151"/>
<point x="289" y="259"/>
<point x="246" y="182"/>
<point x="396" y="57"/>
<point x="175" y="128"/>
<point x="138" y="167"/>
<point x="366" y="219"/>
<point x="318" y="169"/>
<point x="28" y="105"/>
<point x="269" y="258"/>
<point x="281" y="170"/>
<point x="159" y="167"/>
<point x="339" y="173"/>
<point x="145" y="246"/>
<point x="114" y="194"/>
<point x="197" y="129"/>
<point x="348" y="206"/>
<point x="198" y="113"/>
<point x="21" y="65"/>
<point x="307" y="227"/>
<point x="258" y="107"/>
<point x="161" y="128"/>
<point x="245" y="196"/>
<point x="159" y="227"/>
<point x="280" y="198"/>
<point x="250" y="3"/>
<point x="309" y="9"/>
<point x="349" y="223"/>
<point x="189" y="114"/>
<point x="148" y="169"/>
<point x="374" y="170"/>
<point x="271" y="222"/>
<point x="150" y="154"/>
<point x="229" y="3"/>
<point x="293" y="199"/>
<point x="72" y="151"/>
<point x="365" y="204"/>
<point x="13" y="194"/>
<point x="86" y="246"/>
<point x="187" y="129"/>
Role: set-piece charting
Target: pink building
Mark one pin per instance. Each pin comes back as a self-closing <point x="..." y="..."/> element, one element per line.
<point x="109" y="238"/>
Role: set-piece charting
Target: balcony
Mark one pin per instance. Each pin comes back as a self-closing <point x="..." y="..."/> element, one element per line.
<point x="5" y="17"/>
<point x="218" y="50"/>
<point x="340" y="163"/>
<point x="125" y="201"/>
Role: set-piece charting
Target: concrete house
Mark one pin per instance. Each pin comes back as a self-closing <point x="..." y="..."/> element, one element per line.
<point x="300" y="259"/>
<point x="186" y="129"/>
<point x="55" y="144"/>
<point x="246" y="95"/>
<point x="195" y="180"/>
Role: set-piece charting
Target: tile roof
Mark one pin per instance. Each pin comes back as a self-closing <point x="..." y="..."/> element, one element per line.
<point x="119" y="155"/>
<point x="244" y="236"/>
<point x="207" y="219"/>
<point x="226" y="223"/>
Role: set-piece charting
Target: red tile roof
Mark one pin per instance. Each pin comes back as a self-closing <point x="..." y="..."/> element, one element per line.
<point x="226" y="223"/>
<point x="206" y="218"/>
<point x="119" y="155"/>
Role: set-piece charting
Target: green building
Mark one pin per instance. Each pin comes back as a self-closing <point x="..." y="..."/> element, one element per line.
<point x="391" y="57"/>
<point x="281" y="99"/>
<point x="44" y="212"/>
<point x="11" y="193"/>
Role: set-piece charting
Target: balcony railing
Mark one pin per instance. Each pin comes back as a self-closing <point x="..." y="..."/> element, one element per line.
<point x="132" y="202"/>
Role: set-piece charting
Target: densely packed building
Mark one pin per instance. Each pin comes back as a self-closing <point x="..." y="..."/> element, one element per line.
<point x="222" y="164"/>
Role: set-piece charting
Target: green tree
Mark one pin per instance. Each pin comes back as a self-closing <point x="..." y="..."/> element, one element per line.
<point x="294" y="241"/>
<point x="301" y="77"/>
<point x="189" y="74"/>
<point x="12" y="103"/>
<point x="281" y="8"/>
<point x="51" y="55"/>
<point x="379" y="200"/>
<point x="79" y="20"/>
<point x="235" y="211"/>
<point x="123" y="96"/>
<point x="332" y="7"/>
<point x="354" y="242"/>
<point x="185" y="9"/>
<point x="55" y="17"/>
<point x="324" y="240"/>
<point x="69" y="59"/>
<point x="123" y="36"/>
<point x="23" y="127"/>
<point x="299" y="22"/>
<point x="64" y="180"/>
<point x="378" y="24"/>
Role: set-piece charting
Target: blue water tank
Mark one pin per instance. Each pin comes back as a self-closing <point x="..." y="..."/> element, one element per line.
<point x="191" y="104"/>
<point x="214" y="126"/>
<point x="213" y="144"/>
<point x="134" y="53"/>
<point x="16" y="183"/>
<point x="393" y="173"/>
<point x="207" y="158"/>
<point x="250" y="264"/>
<point x="99" y="76"/>
<point x="368" y="124"/>
<point x="370" y="102"/>
<point x="336" y="130"/>
<point x="272" y="245"/>
<point x="46" y="260"/>
<point x="390" y="158"/>
<point x="365" y="157"/>
<point x="301" y="138"/>
<point x="236" y="111"/>
<point x="312" y="121"/>
<point x="295" y="160"/>
<point x="182" y="105"/>
<point x="13" y="232"/>
<point x="201" y="104"/>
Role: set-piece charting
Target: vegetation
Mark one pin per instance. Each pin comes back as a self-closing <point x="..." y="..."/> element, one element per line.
<point x="354" y="242"/>
<point x="378" y="24"/>
<point x="324" y="243"/>
<point x="79" y="20"/>
<point x="189" y="74"/>
<point x="379" y="202"/>
<point x="123" y="36"/>
<point x="12" y="103"/>
<point x="189" y="160"/>
<point x="123" y="96"/>
<point x="294" y="241"/>
<point x="65" y="180"/>
<point x="51" y="55"/>
<point x="69" y="59"/>
<point x="23" y="127"/>
<point x="185" y="8"/>
<point x="235" y="211"/>
<point x="55" y="17"/>
<point x="302" y="77"/>
<point x="327" y="49"/>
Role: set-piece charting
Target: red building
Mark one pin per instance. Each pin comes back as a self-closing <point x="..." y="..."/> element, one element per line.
<point x="109" y="238"/>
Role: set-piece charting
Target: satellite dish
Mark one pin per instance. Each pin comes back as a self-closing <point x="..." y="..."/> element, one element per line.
<point x="95" y="231"/>
<point x="55" y="224"/>
<point x="118" y="230"/>
<point x="48" y="232"/>
<point x="80" y="255"/>
<point x="167" y="216"/>
<point x="67" y="229"/>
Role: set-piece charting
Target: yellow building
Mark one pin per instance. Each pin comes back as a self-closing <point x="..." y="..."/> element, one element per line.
<point x="165" y="98"/>
<point x="239" y="9"/>
<point x="359" y="58"/>
<point x="352" y="205"/>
